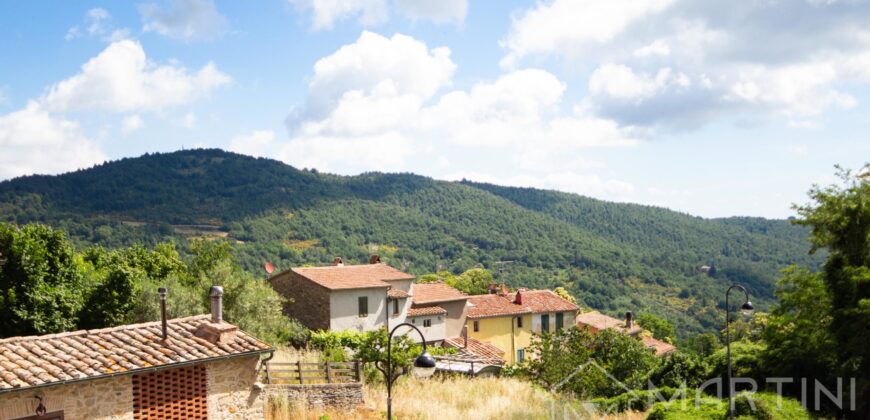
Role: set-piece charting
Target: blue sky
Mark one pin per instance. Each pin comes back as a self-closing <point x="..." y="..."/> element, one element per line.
<point x="703" y="106"/>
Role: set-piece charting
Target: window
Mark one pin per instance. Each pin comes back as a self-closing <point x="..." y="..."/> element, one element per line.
<point x="521" y="355"/>
<point x="560" y="321"/>
<point x="395" y="306"/>
<point x="545" y="323"/>
<point x="476" y="326"/>
<point x="520" y="321"/>
<point x="427" y="322"/>
<point x="363" y="302"/>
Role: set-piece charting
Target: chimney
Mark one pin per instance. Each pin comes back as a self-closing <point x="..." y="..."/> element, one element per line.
<point x="375" y="259"/>
<point x="493" y="288"/>
<point x="518" y="299"/>
<point x="162" y="292"/>
<point x="337" y="262"/>
<point x="628" y="318"/>
<point x="216" y="331"/>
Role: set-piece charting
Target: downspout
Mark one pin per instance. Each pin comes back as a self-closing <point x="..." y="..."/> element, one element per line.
<point x="513" y="348"/>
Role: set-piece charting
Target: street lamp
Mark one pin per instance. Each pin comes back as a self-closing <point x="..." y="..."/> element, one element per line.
<point x="424" y="365"/>
<point x="746" y="309"/>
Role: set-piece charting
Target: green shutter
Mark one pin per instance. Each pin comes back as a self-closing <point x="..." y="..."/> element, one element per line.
<point x="560" y="321"/>
<point x="545" y="322"/>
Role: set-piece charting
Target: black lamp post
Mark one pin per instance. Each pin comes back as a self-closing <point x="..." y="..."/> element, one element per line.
<point x="746" y="309"/>
<point x="424" y="365"/>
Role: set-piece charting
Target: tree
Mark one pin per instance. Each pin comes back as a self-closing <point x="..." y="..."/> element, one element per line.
<point x="703" y="344"/>
<point x="659" y="327"/>
<point x="41" y="285"/>
<point x="839" y="218"/>
<point x="372" y="350"/>
<point x="564" y="294"/>
<point x="475" y="281"/>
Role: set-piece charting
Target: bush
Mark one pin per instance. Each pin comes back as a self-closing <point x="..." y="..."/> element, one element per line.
<point x="637" y="400"/>
<point x="703" y="409"/>
<point x="768" y="406"/>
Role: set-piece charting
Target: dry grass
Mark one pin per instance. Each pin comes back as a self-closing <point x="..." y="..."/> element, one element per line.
<point x="293" y="355"/>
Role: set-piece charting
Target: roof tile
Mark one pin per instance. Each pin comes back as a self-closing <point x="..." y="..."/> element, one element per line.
<point x="352" y="276"/>
<point x="435" y="292"/>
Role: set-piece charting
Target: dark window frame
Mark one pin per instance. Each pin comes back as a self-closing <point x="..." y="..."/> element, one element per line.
<point x="363" y="306"/>
<point x="520" y="321"/>
<point x="427" y="322"/>
<point x="545" y="326"/>
<point x="395" y="306"/>
<point x="521" y="355"/>
<point x="476" y="325"/>
<point x="560" y="321"/>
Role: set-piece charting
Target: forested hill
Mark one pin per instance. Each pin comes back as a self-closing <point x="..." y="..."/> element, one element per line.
<point x="613" y="257"/>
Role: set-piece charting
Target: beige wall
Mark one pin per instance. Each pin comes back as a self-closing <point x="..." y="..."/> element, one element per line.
<point x="231" y="392"/>
<point x="344" y="310"/>
<point x="110" y="398"/>
<point x="456" y="312"/>
<point x="433" y="333"/>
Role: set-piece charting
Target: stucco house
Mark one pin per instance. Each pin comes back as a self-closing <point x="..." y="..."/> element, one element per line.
<point x="508" y="320"/>
<point x="438" y="309"/>
<point x="362" y="297"/>
<point x="594" y="321"/>
<point x="194" y="368"/>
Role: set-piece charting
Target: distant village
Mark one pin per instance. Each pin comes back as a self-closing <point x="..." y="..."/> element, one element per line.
<point x="203" y="366"/>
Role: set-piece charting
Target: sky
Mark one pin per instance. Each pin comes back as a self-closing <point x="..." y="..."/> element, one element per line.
<point x="707" y="107"/>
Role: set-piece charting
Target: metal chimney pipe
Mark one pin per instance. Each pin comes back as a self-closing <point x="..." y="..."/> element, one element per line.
<point x="216" y="294"/>
<point x="629" y="317"/>
<point x="162" y="292"/>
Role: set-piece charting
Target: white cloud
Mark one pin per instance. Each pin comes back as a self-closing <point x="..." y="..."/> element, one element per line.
<point x="260" y="143"/>
<point x="130" y="124"/>
<point x="325" y="13"/>
<point x="189" y="120"/>
<point x="565" y="25"/>
<point x="35" y="142"/>
<point x="657" y="47"/>
<point x="379" y="104"/>
<point x="620" y="82"/>
<point x="443" y="11"/>
<point x="98" y="23"/>
<point x="186" y="20"/>
<point x="121" y="79"/>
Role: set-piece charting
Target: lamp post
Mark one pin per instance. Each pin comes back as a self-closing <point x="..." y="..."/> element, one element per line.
<point x="746" y="309"/>
<point x="424" y="364"/>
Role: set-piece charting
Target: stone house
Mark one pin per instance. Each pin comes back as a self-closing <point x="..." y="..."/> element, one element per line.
<point x="438" y="310"/>
<point x="594" y="321"/>
<point x="362" y="297"/>
<point x="193" y="367"/>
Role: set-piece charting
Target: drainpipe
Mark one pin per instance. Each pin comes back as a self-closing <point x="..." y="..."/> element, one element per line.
<point x="162" y="292"/>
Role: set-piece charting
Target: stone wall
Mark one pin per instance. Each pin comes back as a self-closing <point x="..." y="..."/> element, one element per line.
<point x="345" y="395"/>
<point x="232" y="393"/>
<point x="307" y="301"/>
<point x="110" y="398"/>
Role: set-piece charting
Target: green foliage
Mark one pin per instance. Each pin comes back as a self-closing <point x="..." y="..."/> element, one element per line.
<point x="610" y="256"/>
<point x="637" y="400"/>
<point x="756" y="405"/>
<point x="41" y="283"/>
<point x="562" y="362"/>
<point x="681" y="368"/>
<point x="747" y="361"/>
<point x="839" y="218"/>
<point x="701" y="409"/>
<point x="564" y="294"/>
<point x="660" y="328"/>
<point x="702" y="344"/>
<point x="768" y="406"/>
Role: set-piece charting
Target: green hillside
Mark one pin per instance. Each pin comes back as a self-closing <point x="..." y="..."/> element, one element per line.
<point x="613" y="257"/>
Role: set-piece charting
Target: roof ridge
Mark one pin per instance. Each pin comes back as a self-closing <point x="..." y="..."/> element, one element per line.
<point x="99" y="330"/>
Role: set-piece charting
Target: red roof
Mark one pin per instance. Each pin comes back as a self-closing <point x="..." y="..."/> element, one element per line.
<point x="600" y="322"/>
<point x="660" y="347"/>
<point x="485" y="306"/>
<point x="397" y="293"/>
<point x="435" y="292"/>
<point x="480" y="350"/>
<point x="352" y="276"/>
<point x="426" y="310"/>
<point x="543" y="301"/>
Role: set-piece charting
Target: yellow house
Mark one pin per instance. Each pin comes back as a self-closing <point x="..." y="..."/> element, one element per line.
<point x="508" y="320"/>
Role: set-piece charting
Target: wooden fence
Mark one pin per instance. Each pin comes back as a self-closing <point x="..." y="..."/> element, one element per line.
<point x="313" y="373"/>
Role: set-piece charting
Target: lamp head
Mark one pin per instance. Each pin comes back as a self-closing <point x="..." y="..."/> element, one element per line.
<point x="747" y="308"/>
<point x="424" y="365"/>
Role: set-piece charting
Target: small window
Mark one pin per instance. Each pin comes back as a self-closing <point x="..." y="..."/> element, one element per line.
<point x="427" y="322"/>
<point x="545" y="323"/>
<point x="520" y="321"/>
<point x="521" y="355"/>
<point x="560" y="321"/>
<point x="363" y="306"/>
<point x="395" y="306"/>
<point x="476" y="326"/>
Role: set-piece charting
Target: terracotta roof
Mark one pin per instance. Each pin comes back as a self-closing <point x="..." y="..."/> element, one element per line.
<point x="486" y="306"/>
<point x="543" y="301"/>
<point x="661" y="348"/>
<point x="435" y="292"/>
<point x="43" y="360"/>
<point x="397" y="293"/>
<point x="600" y="321"/>
<point x="352" y="276"/>
<point x="477" y="350"/>
<point x="426" y="310"/>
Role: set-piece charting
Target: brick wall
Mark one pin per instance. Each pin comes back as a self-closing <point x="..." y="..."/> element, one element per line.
<point x="110" y="398"/>
<point x="344" y="396"/>
<point x="309" y="302"/>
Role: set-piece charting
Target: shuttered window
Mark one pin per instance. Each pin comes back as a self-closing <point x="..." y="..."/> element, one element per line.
<point x="363" y="302"/>
<point x="560" y="321"/>
<point x="545" y="323"/>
